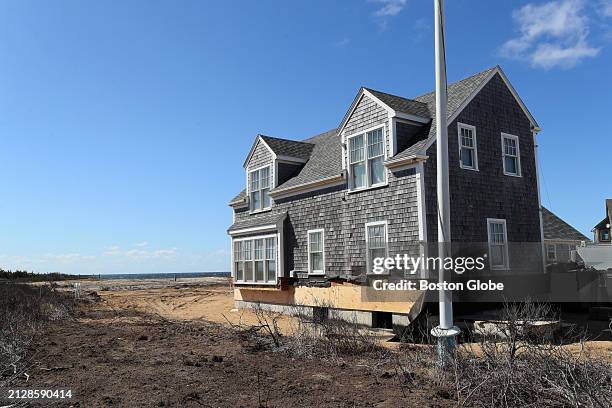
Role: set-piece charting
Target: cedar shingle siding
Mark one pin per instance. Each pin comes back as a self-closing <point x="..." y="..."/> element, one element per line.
<point x="474" y="195"/>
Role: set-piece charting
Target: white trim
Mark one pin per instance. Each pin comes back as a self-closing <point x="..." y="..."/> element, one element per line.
<point x="506" y="266"/>
<point x="466" y="101"/>
<point x="308" y="187"/>
<point x="496" y="70"/>
<point x="271" y="176"/>
<point x="253" y="239"/>
<point x="555" y="248"/>
<point x="422" y="213"/>
<point x="405" y="162"/>
<point x="257" y="139"/>
<point x="518" y="154"/>
<point x="392" y="136"/>
<point x="315" y="231"/>
<point x="390" y="112"/>
<point x="385" y="223"/>
<point x="366" y="159"/>
<point x="262" y="228"/>
<point x="460" y="143"/>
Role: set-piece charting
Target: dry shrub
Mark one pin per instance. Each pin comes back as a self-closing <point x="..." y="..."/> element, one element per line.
<point x="522" y="366"/>
<point x="325" y="333"/>
<point x="24" y="310"/>
<point x="312" y="336"/>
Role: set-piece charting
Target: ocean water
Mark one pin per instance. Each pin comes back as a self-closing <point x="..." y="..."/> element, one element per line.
<point x="168" y="275"/>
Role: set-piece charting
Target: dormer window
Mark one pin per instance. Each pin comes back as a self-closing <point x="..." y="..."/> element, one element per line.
<point x="259" y="189"/>
<point x="366" y="159"/>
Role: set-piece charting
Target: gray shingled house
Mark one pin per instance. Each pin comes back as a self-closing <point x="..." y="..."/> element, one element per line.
<point x="601" y="232"/>
<point x="560" y="238"/>
<point x="319" y="210"/>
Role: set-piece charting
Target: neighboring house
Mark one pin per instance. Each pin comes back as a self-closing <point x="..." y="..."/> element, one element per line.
<point x="601" y="232"/>
<point x="560" y="238"/>
<point x="318" y="211"/>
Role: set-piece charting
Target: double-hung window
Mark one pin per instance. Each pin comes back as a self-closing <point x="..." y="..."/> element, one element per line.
<point x="238" y="264"/>
<point x="376" y="242"/>
<point x="259" y="188"/>
<point x="271" y="259"/>
<point x="511" y="155"/>
<point x="316" y="252"/>
<point x="255" y="260"/>
<point x="468" y="151"/>
<point x="551" y="252"/>
<point x="366" y="159"/>
<point x="498" y="243"/>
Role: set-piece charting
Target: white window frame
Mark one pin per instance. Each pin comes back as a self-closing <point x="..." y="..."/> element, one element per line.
<point x="253" y="260"/>
<point x="368" y="184"/>
<point x="518" y="154"/>
<point x="367" y="237"/>
<point x="554" y="259"/>
<point x="506" y="258"/>
<point x="474" y="148"/>
<point x="260" y="190"/>
<point x="308" y="233"/>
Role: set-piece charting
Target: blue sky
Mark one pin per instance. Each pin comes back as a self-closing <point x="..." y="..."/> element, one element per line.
<point x="124" y="125"/>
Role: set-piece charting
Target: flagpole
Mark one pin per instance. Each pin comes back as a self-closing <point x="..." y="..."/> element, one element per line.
<point x="446" y="331"/>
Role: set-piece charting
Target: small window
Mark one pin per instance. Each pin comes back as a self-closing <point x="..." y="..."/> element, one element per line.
<point x="366" y="159"/>
<point x="498" y="243"/>
<point x="604" y="235"/>
<point x="271" y="259"/>
<point x="316" y="253"/>
<point x="247" y="256"/>
<point x="259" y="188"/>
<point x="468" y="156"/>
<point x="511" y="155"/>
<point x="551" y="252"/>
<point x="376" y="242"/>
<point x="238" y="264"/>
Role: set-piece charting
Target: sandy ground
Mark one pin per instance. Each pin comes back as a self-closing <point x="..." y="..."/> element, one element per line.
<point x="165" y="343"/>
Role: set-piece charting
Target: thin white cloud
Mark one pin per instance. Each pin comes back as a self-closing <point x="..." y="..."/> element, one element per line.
<point x="553" y="34"/>
<point x="342" y="43"/>
<point x="606" y="8"/>
<point x="389" y="8"/>
<point x="141" y="244"/>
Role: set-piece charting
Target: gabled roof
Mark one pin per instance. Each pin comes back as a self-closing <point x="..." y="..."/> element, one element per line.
<point x="285" y="148"/>
<point x="557" y="229"/>
<point x="239" y="199"/>
<point x="459" y="94"/>
<point x="608" y="218"/>
<point x="401" y="104"/>
<point x="325" y="161"/>
<point x="289" y="148"/>
<point x="324" y="152"/>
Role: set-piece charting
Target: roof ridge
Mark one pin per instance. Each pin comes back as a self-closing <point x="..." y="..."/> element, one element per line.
<point x="283" y="139"/>
<point x="390" y="94"/>
<point x="459" y="81"/>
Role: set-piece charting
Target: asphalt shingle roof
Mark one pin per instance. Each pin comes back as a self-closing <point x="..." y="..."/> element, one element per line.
<point x="456" y="93"/>
<point x="324" y="151"/>
<point x="556" y="228"/>
<point x="402" y="104"/>
<point x="325" y="160"/>
<point x="290" y="148"/>
<point x="239" y="198"/>
<point x="259" y="221"/>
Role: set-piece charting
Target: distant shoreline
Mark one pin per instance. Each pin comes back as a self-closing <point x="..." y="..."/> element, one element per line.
<point x="162" y="275"/>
